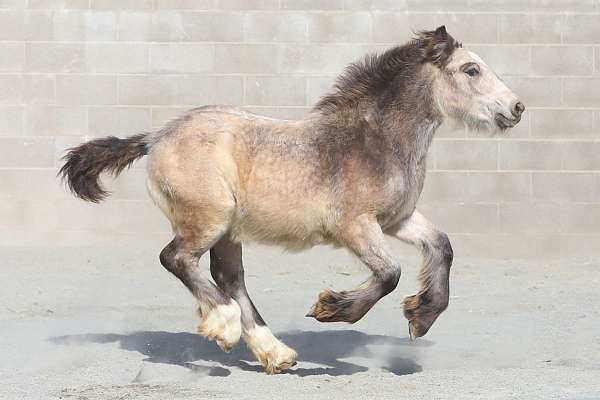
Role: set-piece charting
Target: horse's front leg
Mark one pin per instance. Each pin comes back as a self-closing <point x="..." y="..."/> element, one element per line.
<point x="362" y="236"/>
<point x="422" y="309"/>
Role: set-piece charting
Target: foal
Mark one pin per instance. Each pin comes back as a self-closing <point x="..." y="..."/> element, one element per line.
<point x="345" y="175"/>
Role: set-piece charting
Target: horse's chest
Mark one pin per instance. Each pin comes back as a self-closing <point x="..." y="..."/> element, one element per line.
<point x="403" y="194"/>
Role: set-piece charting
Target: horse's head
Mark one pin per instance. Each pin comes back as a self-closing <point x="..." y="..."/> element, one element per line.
<point x="465" y="88"/>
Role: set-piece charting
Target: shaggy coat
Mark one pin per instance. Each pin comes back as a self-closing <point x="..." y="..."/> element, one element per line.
<point x="349" y="172"/>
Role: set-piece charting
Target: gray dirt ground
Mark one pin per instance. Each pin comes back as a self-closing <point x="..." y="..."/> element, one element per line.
<point x="99" y="323"/>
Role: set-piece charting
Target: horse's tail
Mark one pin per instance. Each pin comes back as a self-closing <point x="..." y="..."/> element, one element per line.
<point x="84" y="163"/>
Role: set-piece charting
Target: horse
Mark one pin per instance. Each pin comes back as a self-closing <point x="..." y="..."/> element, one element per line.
<point x="346" y="175"/>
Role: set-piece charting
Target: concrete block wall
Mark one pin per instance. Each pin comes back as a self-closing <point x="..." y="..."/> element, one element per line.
<point x="75" y="69"/>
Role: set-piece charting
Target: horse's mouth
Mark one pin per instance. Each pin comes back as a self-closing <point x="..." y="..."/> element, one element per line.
<point x="506" y="123"/>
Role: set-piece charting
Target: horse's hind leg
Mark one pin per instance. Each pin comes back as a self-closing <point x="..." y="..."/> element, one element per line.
<point x="228" y="272"/>
<point x="365" y="239"/>
<point x="219" y="312"/>
<point x="422" y="309"/>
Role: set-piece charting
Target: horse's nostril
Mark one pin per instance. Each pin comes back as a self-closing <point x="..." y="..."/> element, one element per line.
<point x="518" y="108"/>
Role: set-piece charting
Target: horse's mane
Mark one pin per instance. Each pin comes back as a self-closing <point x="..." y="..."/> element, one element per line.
<point x="372" y="74"/>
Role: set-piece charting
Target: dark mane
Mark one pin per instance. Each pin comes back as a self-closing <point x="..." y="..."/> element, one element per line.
<point x="369" y="77"/>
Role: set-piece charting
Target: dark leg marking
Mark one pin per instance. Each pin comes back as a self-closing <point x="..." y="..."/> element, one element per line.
<point x="422" y="309"/>
<point x="365" y="239"/>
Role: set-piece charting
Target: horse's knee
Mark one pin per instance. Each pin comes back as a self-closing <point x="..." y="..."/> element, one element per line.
<point x="441" y="245"/>
<point x="168" y="258"/>
<point x="390" y="279"/>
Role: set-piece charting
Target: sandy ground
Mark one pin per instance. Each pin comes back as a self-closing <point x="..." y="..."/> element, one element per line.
<point x="110" y="323"/>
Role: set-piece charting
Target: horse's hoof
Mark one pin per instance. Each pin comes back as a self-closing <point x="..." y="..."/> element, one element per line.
<point x="413" y="330"/>
<point x="279" y="360"/>
<point x="420" y="315"/>
<point x="333" y="307"/>
<point x="223" y="325"/>
<point x="274" y="355"/>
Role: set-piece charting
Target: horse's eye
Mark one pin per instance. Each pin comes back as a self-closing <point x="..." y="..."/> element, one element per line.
<point x="472" y="71"/>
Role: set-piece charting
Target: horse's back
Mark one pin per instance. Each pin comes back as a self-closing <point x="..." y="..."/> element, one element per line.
<point x="260" y="169"/>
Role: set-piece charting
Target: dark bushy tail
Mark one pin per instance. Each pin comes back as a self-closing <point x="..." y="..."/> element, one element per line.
<point x="84" y="163"/>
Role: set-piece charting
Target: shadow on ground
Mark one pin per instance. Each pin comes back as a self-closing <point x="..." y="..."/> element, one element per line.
<point x="318" y="347"/>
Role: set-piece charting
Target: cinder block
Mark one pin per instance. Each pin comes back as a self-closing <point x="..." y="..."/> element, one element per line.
<point x="437" y="5"/>
<point x="86" y="89"/>
<point x="247" y="58"/>
<point x="375" y="5"/>
<point x="137" y="26"/>
<point x="476" y="186"/>
<point x="130" y="185"/>
<point x="11" y="120"/>
<point x="466" y="154"/>
<point x="271" y="27"/>
<point x="531" y="28"/>
<point x="55" y="57"/>
<point x="319" y="58"/>
<point x="566" y="186"/>
<point x="118" y="121"/>
<point x="185" y="4"/>
<point x="12" y="89"/>
<point x="14" y="57"/>
<point x="73" y="25"/>
<point x="147" y="90"/>
<point x="13" y="4"/>
<point x="182" y="58"/>
<point x="536" y="92"/>
<point x="396" y="27"/>
<point x="530" y="218"/>
<point x="471" y="28"/>
<point x="212" y="26"/>
<point x="542" y="6"/>
<point x="11" y="25"/>
<point x="580" y="245"/>
<point x="562" y="124"/>
<point x="247" y="4"/>
<point x="39" y="89"/>
<point x="140" y="216"/>
<point x="202" y="90"/>
<point x="38" y="25"/>
<point x="55" y="121"/>
<point x="562" y="60"/>
<point x="522" y="154"/>
<point x="581" y="92"/>
<point x="42" y="183"/>
<point x="117" y="57"/>
<point x="58" y="4"/>
<point x="340" y="27"/>
<point x="26" y="152"/>
<point x="312" y="4"/>
<point x="122" y="4"/>
<point x="581" y="156"/>
<point x="582" y="28"/>
<point x="275" y="91"/>
<point x="173" y="26"/>
<point x="462" y="217"/>
<point x="505" y="60"/>
<point x="580" y="218"/>
<point x="162" y="115"/>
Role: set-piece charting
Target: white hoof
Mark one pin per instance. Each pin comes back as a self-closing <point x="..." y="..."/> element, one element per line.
<point x="223" y="325"/>
<point x="273" y="354"/>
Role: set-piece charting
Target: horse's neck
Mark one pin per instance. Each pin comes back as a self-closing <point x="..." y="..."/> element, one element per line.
<point x="422" y="140"/>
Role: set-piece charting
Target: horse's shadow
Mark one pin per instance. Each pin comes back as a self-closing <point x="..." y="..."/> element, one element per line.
<point x="318" y="347"/>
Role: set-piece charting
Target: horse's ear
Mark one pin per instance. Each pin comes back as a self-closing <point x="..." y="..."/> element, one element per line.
<point x="439" y="46"/>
